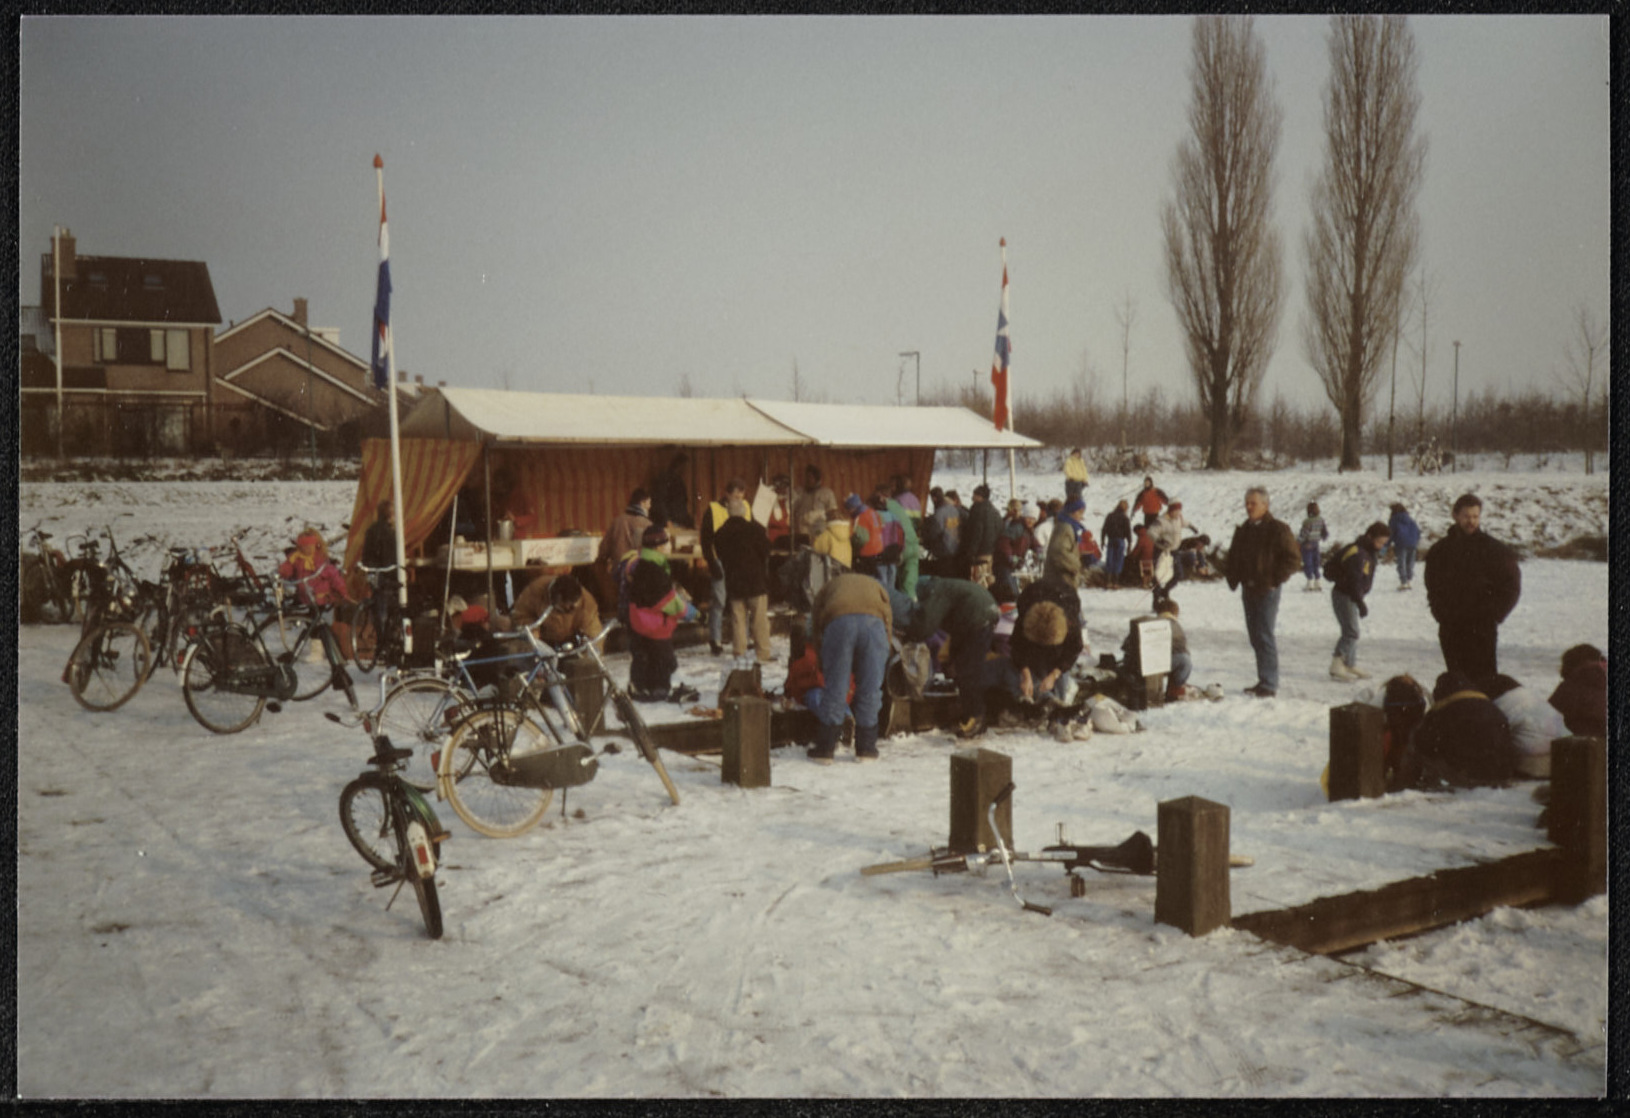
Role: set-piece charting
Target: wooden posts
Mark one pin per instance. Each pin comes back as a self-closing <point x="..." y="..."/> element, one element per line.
<point x="746" y="742"/>
<point x="1191" y="869"/>
<point x="742" y="681"/>
<point x="977" y="775"/>
<point x="1357" y="757"/>
<point x="1578" y="814"/>
<point x="587" y="687"/>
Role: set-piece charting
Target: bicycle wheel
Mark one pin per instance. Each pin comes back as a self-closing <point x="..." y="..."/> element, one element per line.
<point x="218" y="679"/>
<point x="108" y="666"/>
<point x="423" y="887"/>
<point x="635" y="725"/>
<point x="366" y="819"/>
<point x="364" y="636"/>
<point x="414" y="716"/>
<point x="291" y="634"/>
<point x="464" y="777"/>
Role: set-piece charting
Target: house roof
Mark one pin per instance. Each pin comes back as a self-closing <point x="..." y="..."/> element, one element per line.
<point x="131" y="289"/>
<point x="520" y="418"/>
<point x="315" y="336"/>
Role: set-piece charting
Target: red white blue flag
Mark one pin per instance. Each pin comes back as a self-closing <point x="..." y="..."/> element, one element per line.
<point x="382" y="298"/>
<point x="999" y="365"/>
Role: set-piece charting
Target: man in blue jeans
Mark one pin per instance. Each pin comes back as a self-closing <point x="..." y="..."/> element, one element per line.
<point x="1262" y="556"/>
<point x="850" y="621"/>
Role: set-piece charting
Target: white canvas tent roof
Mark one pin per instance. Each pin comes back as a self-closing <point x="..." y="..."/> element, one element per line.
<point x="519" y="418"/>
<point x="861" y="425"/>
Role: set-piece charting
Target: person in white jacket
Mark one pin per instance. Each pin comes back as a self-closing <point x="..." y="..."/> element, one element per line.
<point x="1535" y="724"/>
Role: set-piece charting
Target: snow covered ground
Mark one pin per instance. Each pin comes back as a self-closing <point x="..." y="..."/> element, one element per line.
<point x="192" y="922"/>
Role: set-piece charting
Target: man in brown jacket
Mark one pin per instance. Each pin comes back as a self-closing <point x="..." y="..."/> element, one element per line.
<point x="1261" y="557"/>
<point x="850" y="619"/>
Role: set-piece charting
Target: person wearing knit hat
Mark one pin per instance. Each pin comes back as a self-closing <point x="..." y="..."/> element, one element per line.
<point x="1015" y="546"/>
<point x="1045" y="643"/>
<point x="653" y="537"/>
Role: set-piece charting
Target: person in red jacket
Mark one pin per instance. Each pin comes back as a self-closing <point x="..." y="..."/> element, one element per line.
<point x="866" y="534"/>
<point x="1149" y="501"/>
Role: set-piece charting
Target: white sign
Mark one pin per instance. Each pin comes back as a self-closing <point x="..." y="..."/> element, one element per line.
<point x="1154" y="647"/>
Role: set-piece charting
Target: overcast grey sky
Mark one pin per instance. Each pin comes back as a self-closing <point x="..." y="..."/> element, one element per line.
<point x="612" y="204"/>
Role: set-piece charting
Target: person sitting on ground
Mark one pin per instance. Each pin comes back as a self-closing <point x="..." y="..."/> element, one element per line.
<point x="1403" y="705"/>
<point x="1182" y="663"/>
<point x="1534" y="723"/>
<point x="1463" y="742"/>
<point x="1582" y="694"/>
<point x="1045" y="643"/>
<point x="805" y="685"/>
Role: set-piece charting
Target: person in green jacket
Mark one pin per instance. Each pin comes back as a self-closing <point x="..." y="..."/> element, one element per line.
<point x="966" y="612"/>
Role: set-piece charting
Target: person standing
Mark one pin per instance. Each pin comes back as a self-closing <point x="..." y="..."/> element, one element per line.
<point x="1117" y="537"/>
<point x="831" y="537"/>
<point x="622" y="536"/>
<point x="713" y="518"/>
<point x="1149" y="501"/>
<point x="965" y="612"/>
<point x="1261" y="557"/>
<point x="850" y="623"/>
<point x="1167" y="535"/>
<point x="655" y="608"/>
<point x="1355" y="571"/>
<point x="1063" y="556"/>
<point x="813" y="497"/>
<point x="1313" y="534"/>
<point x="865" y="535"/>
<point x="1076" y="477"/>
<point x="743" y="550"/>
<point x="1406" y="537"/>
<point x="910" y="546"/>
<point x="1015" y="546"/>
<point x="670" y="494"/>
<point x="976" y="544"/>
<point x="1472" y="584"/>
<point x="949" y="514"/>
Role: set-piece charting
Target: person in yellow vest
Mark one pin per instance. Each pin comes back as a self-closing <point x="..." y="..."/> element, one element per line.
<point x="1075" y="475"/>
<point x="831" y="536"/>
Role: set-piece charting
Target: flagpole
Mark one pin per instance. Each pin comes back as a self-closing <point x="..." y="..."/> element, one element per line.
<point x="396" y="436"/>
<point x="1007" y="389"/>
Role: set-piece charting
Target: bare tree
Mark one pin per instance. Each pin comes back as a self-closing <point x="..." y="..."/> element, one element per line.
<point x="1126" y="314"/>
<point x="684" y="389"/>
<point x="1365" y="233"/>
<point x="797" y="382"/>
<point x="1586" y="352"/>
<point x="1222" y="254"/>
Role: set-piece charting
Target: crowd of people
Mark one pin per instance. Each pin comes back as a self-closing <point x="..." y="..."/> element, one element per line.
<point x="994" y="597"/>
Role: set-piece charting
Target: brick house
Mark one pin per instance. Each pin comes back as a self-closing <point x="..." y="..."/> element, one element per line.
<point x="281" y="384"/>
<point x="136" y="347"/>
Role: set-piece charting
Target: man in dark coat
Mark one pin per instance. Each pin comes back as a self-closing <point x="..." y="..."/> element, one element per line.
<point x="1117" y="537"/>
<point x="670" y="494"/>
<point x="976" y="538"/>
<point x="1261" y="557"/>
<point x="743" y="549"/>
<point x="966" y="612"/>
<point x="1463" y="742"/>
<point x="1472" y="584"/>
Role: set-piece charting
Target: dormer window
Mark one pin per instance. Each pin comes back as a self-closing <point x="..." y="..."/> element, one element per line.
<point x="152" y="281"/>
<point x="97" y="279"/>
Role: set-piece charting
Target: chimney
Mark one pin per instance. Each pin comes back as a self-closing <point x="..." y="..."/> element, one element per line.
<point x="66" y="251"/>
<point x="401" y="376"/>
<point x="299" y="311"/>
<point x="419" y="381"/>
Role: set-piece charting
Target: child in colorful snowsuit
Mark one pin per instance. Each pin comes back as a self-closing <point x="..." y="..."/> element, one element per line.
<point x="1313" y="533"/>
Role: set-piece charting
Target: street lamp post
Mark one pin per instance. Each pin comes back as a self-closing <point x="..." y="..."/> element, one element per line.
<point x="919" y="358"/>
<point x="1454" y="418"/>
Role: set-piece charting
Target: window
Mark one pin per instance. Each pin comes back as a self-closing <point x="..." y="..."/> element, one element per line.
<point x="152" y="281"/>
<point x="105" y="342"/>
<point x="155" y="347"/>
<point x="177" y="351"/>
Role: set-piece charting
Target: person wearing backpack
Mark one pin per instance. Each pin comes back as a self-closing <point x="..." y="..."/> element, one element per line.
<point x="1351" y="571"/>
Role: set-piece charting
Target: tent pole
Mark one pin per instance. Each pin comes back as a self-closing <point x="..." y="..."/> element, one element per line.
<point x="486" y="500"/>
<point x="452" y="543"/>
<point x="1012" y="481"/>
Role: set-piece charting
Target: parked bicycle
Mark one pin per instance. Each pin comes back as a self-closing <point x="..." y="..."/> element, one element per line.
<point x="504" y="759"/>
<point x="395" y="830"/>
<point x="52" y="587"/>
<point x="229" y="674"/>
<point x="379" y="629"/>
